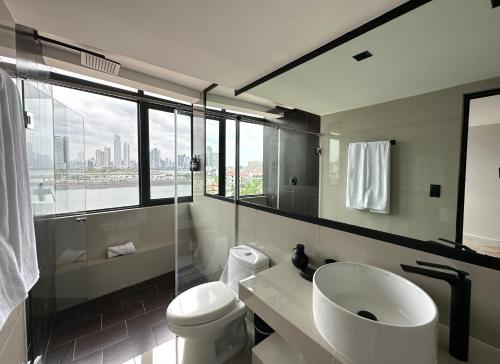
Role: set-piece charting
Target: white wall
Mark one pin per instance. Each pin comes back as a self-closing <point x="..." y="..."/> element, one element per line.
<point x="13" y="338"/>
<point x="427" y="151"/>
<point x="482" y="186"/>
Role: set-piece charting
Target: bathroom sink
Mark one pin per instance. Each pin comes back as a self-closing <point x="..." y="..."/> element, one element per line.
<point x="370" y="315"/>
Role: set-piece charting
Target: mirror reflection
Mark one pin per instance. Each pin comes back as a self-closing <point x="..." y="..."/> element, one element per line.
<point x="369" y="133"/>
<point x="481" y="230"/>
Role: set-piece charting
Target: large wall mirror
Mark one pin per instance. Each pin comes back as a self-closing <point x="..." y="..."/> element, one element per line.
<point x="377" y="132"/>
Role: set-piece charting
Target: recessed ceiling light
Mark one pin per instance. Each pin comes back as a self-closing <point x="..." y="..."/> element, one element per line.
<point x="361" y="56"/>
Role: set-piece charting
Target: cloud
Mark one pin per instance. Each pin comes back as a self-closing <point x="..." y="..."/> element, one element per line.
<point x="97" y="118"/>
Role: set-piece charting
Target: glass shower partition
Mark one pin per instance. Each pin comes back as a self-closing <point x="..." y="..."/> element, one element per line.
<point x="205" y="227"/>
<point x="37" y="103"/>
<point x="55" y="150"/>
<point x="70" y="204"/>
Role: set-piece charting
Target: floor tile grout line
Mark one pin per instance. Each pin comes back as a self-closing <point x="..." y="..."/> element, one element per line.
<point x="74" y="350"/>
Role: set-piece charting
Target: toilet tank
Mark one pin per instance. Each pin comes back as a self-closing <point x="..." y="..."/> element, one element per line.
<point x="243" y="262"/>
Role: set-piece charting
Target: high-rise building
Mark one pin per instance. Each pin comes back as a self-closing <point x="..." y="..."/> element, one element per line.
<point x="61" y="151"/>
<point x="155" y="158"/>
<point x="183" y="161"/>
<point x="212" y="158"/>
<point x="100" y="158"/>
<point x="126" y="155"/>
<point x="118" y="151"/>
<point x="107" y="157"/>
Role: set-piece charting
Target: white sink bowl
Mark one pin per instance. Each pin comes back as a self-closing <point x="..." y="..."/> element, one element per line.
<point x="407" y="318"/>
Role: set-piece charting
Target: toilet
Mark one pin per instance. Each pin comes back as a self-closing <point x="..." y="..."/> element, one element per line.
<point x="209" y="319"/>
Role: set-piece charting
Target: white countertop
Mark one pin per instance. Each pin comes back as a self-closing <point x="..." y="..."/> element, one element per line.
<point x="284" y="300"/>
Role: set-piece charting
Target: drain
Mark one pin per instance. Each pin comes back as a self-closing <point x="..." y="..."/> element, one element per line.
<point x="368" y="315"/>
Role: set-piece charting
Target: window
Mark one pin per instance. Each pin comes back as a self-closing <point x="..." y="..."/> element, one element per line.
<point x="102" y="146"/>
<point x="257" y="152"/>
<point x="162" y="154"/>
<point x="97" y="134"/>
<point x="212" y="130"/>
<point x="251" y="159"/>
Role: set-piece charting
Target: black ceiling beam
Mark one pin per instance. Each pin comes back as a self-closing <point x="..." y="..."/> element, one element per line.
<point x="366" y="27"/>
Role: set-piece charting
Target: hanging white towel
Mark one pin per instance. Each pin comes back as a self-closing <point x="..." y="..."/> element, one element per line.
<point x="368" y="176"/>
<point x="18" y="261"/>
<point x="123" y="249"/>
<point x="356" y="175"/>
<point x="377" y="187"/>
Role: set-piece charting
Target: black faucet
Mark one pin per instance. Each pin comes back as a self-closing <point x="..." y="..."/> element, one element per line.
<point x="460" y="304"/>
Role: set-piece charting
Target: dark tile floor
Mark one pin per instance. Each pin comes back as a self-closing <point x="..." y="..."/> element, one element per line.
<point x="113" y="328"/>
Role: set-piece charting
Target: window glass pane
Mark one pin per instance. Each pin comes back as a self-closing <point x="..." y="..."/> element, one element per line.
<point x="251" y="159"/>
<point x="212" y="156"/>
<point x="162" y="154"/>
<point x="110" y="157"/>
<point x="230" y="157"/>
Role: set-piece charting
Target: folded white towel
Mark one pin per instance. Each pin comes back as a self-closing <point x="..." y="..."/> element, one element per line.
<point x="124" y="249"/>
<point x="368" y="176"/>
<point x="72" y="256"/>
<point x="18" y="261"/>
<point x="356" y="175"/>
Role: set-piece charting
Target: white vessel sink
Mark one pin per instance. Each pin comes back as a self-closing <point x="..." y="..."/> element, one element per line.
<point x="406" y="325"/>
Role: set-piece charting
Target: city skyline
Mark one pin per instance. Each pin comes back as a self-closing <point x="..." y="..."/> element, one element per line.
<point x="102" y="157"/>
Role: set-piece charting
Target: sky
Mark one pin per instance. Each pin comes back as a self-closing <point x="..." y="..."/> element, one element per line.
<point x="91" y="121"/>
<point x="101" y="117"/>
<point x="251" y="141"/>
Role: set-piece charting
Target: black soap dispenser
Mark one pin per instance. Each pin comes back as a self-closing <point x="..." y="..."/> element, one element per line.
<point x="195" y="164"/>
<point x="299" y="258"/>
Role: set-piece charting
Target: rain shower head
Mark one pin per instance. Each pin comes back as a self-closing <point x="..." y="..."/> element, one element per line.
<point x="99" y="63"/>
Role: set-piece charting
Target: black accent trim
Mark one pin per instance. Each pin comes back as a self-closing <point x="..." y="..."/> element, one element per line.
<point x="366" y="27"/>
<point x="431" y="247"/>
<point x="143" y="154"/>
<point x="210" y="88"/>
<point x="222" y="157"/>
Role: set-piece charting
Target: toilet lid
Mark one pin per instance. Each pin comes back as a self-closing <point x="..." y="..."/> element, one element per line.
<point x="201" y="304"/>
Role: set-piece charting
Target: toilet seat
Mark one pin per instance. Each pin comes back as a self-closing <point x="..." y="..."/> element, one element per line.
<point x="201" y="304"/>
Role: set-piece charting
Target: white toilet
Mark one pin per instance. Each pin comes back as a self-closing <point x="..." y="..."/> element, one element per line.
<point x="209" y="319"/>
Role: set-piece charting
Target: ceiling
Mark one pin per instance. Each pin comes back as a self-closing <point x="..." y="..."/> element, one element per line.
<point x="485" y="111"/>
<point x="228" y="42"/>
<point x="438" y="45"/>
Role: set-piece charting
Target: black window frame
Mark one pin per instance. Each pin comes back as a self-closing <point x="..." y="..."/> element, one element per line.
<point x="221" y="116"/>
<point x="143" y="103"/>
<point x="144" y="151"/>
